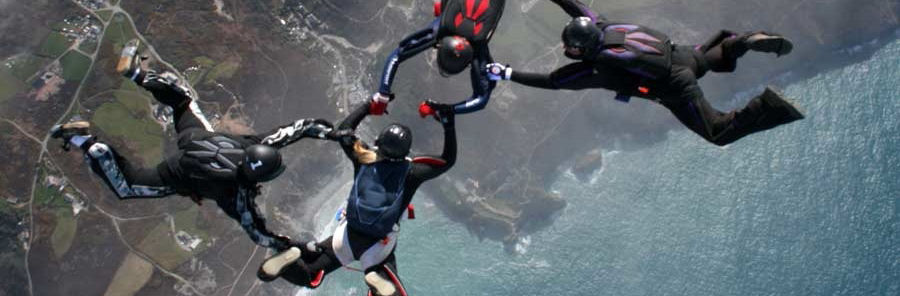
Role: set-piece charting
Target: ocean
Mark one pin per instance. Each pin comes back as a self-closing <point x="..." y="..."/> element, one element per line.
<point x="810" y="208"/>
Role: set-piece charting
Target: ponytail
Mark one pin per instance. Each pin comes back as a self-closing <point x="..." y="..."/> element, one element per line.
<point x="364" y="155"/>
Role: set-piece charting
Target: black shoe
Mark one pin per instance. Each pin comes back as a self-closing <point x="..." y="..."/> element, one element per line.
<point x="132" y="64"/>
<point x="768" y="42"/>
<point x="68" y="130"/>
<point x="272" y="267"/>
<point x="775" y="102"/>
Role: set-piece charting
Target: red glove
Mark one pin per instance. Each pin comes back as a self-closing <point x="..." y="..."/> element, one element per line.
<point x="379" y="103"/>
<point x="425" y="109"/>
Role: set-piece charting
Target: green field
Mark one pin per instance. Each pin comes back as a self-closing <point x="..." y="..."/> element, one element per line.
<point x="204" y="61"/>
<point x="131" y="276"/>
<point x="9" y="85"/>
<point x="6" y="208"/>
<point x="160" y="245"/>
<point x="46" y="196"/>
<point x="129" y="85"/>
<point x="104" y="14"/>
<point x="88" y="47"/>
<point x="55" y="45"/>
<point x="146" y="136"/>
<point x="75" y="66"/>
<point x="64" y="232"/>
<point x="222" y="71"/>
<point x="205" y="64"/>
<point x="52" y="200"/>
<point x="187" y="220"/>
<point x="26" y="65"/>
<point x="118" y="32"/>
<point x="133" y="100"/>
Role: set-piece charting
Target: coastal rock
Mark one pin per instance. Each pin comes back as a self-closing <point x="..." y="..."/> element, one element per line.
<point x="587" y="164"/>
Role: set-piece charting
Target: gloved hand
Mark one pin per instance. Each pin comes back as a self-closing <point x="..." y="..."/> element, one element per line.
<point x="379" y="103"/>
<point x="318" y="128"/>
<point x="425" y="109"/>
<point x="442" y="112"/>
<point x="498" y="71"/>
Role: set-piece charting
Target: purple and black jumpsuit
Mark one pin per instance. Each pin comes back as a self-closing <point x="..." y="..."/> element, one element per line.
<point x="676" y="89"/>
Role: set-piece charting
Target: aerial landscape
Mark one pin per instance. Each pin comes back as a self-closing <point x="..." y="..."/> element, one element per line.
<point x="553" y="192"/>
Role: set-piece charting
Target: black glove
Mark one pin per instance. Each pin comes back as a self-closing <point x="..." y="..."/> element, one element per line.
<point x="317" y="128"/>
<point x="443" y="113"/>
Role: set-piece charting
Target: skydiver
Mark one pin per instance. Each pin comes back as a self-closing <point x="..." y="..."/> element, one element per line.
<point x="385" y="180"/>
<point x="634" y="60"/>
<point x="460" y="33"/>
<point x="223" y="167"/>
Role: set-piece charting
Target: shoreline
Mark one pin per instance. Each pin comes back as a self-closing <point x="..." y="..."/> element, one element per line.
<point x="484" y="222"/>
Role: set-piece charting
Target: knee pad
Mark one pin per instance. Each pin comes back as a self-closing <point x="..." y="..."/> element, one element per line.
<point x="381" y="285"/>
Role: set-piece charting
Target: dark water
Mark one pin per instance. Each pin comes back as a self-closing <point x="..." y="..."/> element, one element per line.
<point x="807" y="209"/>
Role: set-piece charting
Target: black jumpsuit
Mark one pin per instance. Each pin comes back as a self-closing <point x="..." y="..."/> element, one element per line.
<point x="679" y="91"/>
<point x="187" y="174"/>
<point x="424" y="168"/>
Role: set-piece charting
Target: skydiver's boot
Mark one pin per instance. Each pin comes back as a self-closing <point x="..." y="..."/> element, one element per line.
<point x="768" y="42"/>
<point x="75" y="132"/>
<point x="273" y="267"/>
<point x="381" y="285"/>
<point x="132" y="64"/>
<point x="765" y="111"/>
<point x="779" y="107"/>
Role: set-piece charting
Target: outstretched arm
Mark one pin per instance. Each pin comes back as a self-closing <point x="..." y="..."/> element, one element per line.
<point x="429" y="167"/>
<point x="575" y="76"/>
<point x="347" y="139"/>
<point x="288" y="134"/>
<point x="577" y="9"/>
<point x="482" y="86"/>
<point x="253" y="222"/>
<point x="409" y="47"/>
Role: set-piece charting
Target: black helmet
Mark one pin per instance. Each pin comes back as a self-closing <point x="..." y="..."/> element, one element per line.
<point x="394" y="142"/>
<point x="454" y="55"/>
<point x="261" y="163"/>
<point x="581" y="38"/>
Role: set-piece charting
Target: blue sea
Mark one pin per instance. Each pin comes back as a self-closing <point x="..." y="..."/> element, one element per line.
<point x="810" y="208"/>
